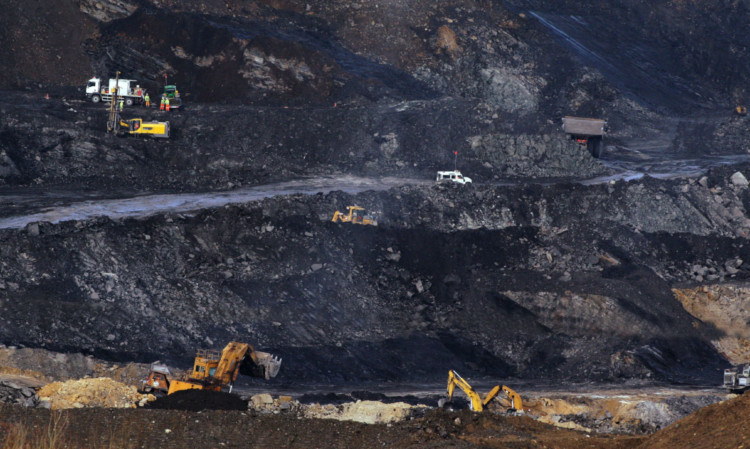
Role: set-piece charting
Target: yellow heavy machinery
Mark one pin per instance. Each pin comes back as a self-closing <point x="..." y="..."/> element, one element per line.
<point x="356" y="215"/>
<point x="133" y="127"/>
<point x="476" y="403"/>
<point x="137" y="127"/>
<point x="215" y="370"/>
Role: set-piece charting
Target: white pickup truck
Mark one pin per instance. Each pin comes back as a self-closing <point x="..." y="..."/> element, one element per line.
<point x="453" y="176"/>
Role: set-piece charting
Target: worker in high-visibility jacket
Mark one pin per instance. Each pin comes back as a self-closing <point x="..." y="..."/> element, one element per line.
<point x="147" y="99"/>
<point x="122" y="104"/>
<point x="166" y="102"/>
<point x="163" y="102"/>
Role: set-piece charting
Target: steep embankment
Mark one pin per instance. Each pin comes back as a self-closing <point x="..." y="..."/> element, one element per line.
<point x="365" y="88"/>
<point x="501" y="281"/>
<point x="717" y="426"/>
<point x="63" y="142"/>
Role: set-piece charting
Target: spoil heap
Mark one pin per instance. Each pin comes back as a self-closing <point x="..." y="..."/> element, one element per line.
<point x="100" y="392"/>
<point x="718" y="426"/>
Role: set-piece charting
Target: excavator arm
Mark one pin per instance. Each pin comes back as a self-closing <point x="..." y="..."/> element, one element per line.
<point x="213" y="370"/>
<point x="515" y="399"/>
<point x="264" y="364"/>
<point x="477" y="403"/>
<point x="455" y="380"/>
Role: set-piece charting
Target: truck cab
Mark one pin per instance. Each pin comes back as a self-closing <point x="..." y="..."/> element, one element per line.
<point x="453" y="176"/>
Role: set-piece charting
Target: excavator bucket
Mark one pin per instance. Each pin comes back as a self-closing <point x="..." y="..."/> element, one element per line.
<point x="269" y="363"/>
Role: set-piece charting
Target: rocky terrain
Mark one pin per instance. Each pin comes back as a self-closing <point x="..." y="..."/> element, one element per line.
<point x="552" y="270"/>
<point x="510" y="283"/>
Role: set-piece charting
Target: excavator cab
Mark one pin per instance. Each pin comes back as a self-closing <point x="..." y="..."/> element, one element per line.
<point x="206" y="362"/>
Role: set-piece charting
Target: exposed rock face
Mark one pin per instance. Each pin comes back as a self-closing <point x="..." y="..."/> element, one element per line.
<point x="108" y="10"/>
<point x="64" y="141"/>
<point x="507" y="281"/>
<point x="42" y="44"/>
<point x="12" y="393"/>
<point x="534" y="156"/>
<point x="726" y="307"/>
<point x="563" y="281"/>
<point x="446" y="41"/>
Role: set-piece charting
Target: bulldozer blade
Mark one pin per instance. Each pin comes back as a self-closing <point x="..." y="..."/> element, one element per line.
<point x="270" y="363"/>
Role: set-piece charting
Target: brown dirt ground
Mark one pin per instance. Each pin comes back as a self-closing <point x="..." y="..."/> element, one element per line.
<point x="718" y="426"/>
<point x="142" y="428"/>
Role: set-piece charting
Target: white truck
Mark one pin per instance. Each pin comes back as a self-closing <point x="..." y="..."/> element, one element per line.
<point x="737" y="379"/>
<point x="129" y="90"/>
<point x="453" y="176"/>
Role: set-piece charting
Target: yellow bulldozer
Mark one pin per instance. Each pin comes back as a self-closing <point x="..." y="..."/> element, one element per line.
<point x="476" y="403"/>
<point x="356" y="215"/>
<point x="214" y="370"/>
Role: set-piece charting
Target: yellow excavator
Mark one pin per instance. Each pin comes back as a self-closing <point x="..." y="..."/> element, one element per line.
<point x="356" y="215"/>
<point x="214" y="370"/>
<point x="478" y="404"/>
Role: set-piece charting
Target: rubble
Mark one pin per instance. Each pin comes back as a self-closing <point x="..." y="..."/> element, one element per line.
<point x="12" y="393"/>
<point x="368" y="412"/>
<point x="97" y="392"/>
<point x="634" y="411"/>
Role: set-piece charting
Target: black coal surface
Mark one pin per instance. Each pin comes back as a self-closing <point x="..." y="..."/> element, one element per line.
<point x="537" y="281"/>
<point x="197" y="400"/>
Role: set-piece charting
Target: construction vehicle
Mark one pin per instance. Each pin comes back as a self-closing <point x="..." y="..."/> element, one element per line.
<point x="215" y="370"/>
<point x="130" y="92"/>
<point x="137" y="127"/>
<point x="586" y="131"/>
<point x="356" y="215"/>
<point x="171" y="92"/>
<point x="737" y="379"/>
<point x="157" y="381"/>
<point x="453" y="176"/>
<point x="476" y="403"/>
<point x="134" y="127"/>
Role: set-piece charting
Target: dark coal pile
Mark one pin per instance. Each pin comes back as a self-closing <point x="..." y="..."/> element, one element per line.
<point x="491" y="281"/>
<point x="197" y="400"/>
